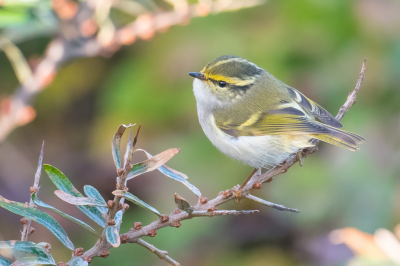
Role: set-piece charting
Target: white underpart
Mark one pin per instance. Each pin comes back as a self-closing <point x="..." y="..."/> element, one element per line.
<point x="256" y="151"/>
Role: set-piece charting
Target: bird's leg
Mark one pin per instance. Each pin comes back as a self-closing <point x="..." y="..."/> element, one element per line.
<point x="238" y="191"/>
<point x="299" y="156"/>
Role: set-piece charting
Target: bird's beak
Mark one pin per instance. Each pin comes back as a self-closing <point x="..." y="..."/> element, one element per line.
<point x="197" y="75"/>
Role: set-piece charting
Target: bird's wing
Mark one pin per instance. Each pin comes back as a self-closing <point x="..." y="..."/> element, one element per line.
<point x="314" y="109"/>
<point x="289" y="121"/>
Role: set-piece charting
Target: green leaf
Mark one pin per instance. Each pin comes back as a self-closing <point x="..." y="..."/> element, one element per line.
<point x="112" y="232"/>
<point x="178" y="176"/>
<point x="116" y="145"/>
<point x="4" y="261"/>
<point x="27" y="253"/>
<point x="78" y="200"/>
<point x="134" y="199"/>
<point x="32" y="261"/>
<point x="152" y="163"/>
<point x="79" y="262"/>
<point x="112" y="236"/>
<point x="40" y="217"/>
<point x="62" y="183"/>
<point x="182" y="204"/>
<point x="93" y="193"/>
<point x="40" y="203"/>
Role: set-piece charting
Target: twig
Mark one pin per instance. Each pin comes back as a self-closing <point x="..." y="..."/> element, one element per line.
<point x="351" y="99"/>
<point x="205" y="208"/>
<point x="162" y="254"/>
<point x="17" y="60"/>
<point x="221" y="213"/>
<point x="270" y="204"/>
<point x="26" y="231"/>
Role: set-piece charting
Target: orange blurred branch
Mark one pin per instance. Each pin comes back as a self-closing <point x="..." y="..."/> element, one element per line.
<point x="97" y="37"/>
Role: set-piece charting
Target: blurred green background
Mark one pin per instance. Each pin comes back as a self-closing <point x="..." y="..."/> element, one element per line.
<point x="315" y="46"/>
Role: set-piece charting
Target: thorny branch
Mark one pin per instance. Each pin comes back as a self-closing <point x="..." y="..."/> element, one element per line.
<point x="205" y="207"/>
<point x="93" y="34"/>
<point x="27" y="230"/>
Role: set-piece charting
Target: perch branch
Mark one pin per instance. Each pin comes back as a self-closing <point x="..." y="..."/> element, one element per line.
<point x="206" y="207"/>
<point x="26" y="230"/>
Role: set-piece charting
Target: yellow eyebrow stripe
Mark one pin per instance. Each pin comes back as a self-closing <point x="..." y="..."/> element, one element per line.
<point x="232" y="80"/>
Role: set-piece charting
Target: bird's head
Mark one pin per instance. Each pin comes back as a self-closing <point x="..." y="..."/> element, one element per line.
<point x="228" y="78"/>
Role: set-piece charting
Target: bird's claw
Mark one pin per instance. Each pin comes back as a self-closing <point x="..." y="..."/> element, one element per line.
<point x="299" y="156"/>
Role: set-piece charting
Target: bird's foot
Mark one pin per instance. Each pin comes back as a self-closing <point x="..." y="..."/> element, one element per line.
<point x="299" y="156"/>
<point x="238" y="189"/>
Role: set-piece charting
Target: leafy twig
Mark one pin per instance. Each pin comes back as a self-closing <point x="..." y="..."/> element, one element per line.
<point x="26" y="230"/>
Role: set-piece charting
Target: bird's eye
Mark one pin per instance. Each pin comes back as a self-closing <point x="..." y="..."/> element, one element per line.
<point x="222" y="84"/>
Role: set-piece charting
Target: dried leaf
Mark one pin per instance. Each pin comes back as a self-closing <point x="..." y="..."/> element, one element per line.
<point x="116" y="144"/>
<point x="182" y="204"/>
<point x="78" y="200"/>
<point x="152" y="164"/>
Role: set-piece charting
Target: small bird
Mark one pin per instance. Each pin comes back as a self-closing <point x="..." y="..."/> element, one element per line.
<point x="253" y="117"/>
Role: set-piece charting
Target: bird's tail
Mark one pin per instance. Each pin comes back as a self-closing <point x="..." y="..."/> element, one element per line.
<point x="341" y="138"/>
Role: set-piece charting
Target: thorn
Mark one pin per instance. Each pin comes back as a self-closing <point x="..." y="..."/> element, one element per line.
<point x="126" y="206"/>
<point x="111" y="222"/>
<point x="136" y="137"/>
<point x="24" y="221"/>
